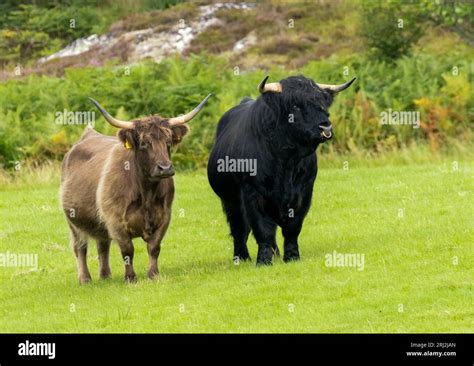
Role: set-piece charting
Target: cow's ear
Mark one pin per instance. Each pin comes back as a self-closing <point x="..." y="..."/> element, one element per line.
<point x="127" y="138"/>
<point x="179" y="132"/>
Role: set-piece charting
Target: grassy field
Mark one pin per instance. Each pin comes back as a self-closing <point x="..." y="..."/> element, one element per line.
<point x="413" y="224"/>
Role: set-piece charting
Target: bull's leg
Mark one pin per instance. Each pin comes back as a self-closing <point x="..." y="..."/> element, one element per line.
<point x="292" y="227"/>
<point x="239" y="228"/>
<point x="263" y="229"/>
<point x="79" y="244"/>
<point x="127" y="250"/>
<point x="103" y="249"/>
<point x="291" y="232"/>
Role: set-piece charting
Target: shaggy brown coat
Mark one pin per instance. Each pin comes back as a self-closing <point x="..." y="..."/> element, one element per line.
<point x="109" y="192"/>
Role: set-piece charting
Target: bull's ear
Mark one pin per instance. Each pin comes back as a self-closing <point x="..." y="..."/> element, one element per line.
<point x="328" y="97"/>
<point x="179" y="132"/>
<point x="127" y="138"/>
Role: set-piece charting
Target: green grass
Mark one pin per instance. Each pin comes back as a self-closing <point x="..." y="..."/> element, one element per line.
<point x="408" y="261"/>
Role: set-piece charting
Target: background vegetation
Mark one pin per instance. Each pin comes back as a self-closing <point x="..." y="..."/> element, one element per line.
<point x="426" y="66"/>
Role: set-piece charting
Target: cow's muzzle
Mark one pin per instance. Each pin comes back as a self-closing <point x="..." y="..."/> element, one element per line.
<point x="162" y="171"/>
<point x="326" y="131"/>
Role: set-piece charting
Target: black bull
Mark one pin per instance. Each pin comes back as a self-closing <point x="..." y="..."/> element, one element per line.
<point x="263" y="164"/>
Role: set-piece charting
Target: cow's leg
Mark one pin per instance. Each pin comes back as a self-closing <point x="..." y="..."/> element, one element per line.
<point x="239" y="228"/>
<point x="103" y="249"/>
<point x="154" y="246"/>
<point x="154" y="249"/>
<point x="79" y="244"/>
<point x="127" y="250"/>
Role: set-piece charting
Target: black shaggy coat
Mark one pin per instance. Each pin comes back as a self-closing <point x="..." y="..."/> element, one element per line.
<point x="281" y="131"/>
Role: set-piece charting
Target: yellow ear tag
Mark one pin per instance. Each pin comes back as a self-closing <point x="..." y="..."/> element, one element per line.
<point x="127" y="145"/>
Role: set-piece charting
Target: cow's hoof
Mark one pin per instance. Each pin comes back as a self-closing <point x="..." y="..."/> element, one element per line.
<point x="153" y="274"/>
<point x="105" y="275"/>
<point x="131" y="278"/>
<point x="84" y="280"/>
<point x="291" y="258"/>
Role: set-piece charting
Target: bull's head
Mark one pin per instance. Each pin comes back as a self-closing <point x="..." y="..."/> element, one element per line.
<point x="151" y="138"/>
<point x="305" y="104"/>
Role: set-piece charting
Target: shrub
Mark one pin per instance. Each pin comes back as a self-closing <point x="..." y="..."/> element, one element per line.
<point x="21" y="45"/>
<point x="390" y="28"/>
<point x="416" y="83"/>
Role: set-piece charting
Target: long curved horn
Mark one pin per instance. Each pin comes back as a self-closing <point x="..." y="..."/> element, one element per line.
<point x="272" y="87"/>
<point x="335" y="88"/>
<point x="175" y="121"/>
<point x="113" y="121"/>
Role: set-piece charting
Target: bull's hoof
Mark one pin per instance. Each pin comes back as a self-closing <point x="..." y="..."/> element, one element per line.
<point x="265" y="255"/>
<point x="242" y="258"/>
<point x="291" y="258"/>
<point x="264" y="261"/>
<point x="131" y="277"/>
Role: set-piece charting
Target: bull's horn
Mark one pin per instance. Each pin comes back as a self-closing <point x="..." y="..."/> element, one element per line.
<point x="272" y="87"/>
<point x="114" y="122"/>
<point x="335" y="88"/>
<point x="175" y="121"/>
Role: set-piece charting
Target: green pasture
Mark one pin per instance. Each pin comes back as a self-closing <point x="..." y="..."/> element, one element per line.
<point x="412" y="223"/>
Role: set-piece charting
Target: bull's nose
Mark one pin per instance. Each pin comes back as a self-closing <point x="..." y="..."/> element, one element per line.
<point x="326" y="131"/>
